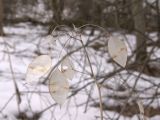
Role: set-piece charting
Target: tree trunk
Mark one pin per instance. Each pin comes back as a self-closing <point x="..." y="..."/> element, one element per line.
<point x="139" y="25"/>
<point x="85" y="7"/>
<point x="1" y="17"/>
<point x="57" y="10"/>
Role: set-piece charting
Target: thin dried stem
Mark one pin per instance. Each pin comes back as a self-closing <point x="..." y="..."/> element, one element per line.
<point x="94" y="77"/>
<point x="13" y="78"/>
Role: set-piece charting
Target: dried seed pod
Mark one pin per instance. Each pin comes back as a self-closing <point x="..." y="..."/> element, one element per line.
<point x="67" y="68"/>
<point x="37" y="68"/>
<point x="117" y="50"/>
<point x="58" y="86"/>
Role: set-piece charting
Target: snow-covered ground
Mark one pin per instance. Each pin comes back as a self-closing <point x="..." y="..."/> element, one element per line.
<point x="25" y="42"/>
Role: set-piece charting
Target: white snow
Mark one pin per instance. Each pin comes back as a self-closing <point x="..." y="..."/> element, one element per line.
<point x="25" y="40"/>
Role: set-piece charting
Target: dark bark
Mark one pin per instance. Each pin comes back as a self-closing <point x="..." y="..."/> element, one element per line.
<point x="1" y="18"/>
<point x="140" y="27"/>
<point x="57" y="6"/>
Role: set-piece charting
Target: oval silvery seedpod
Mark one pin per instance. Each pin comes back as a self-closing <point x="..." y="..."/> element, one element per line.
<point x="37" y="68"/>
<point x="117" y="50"/>
<point x="58" y="86"/>
<point x="67" y="68"/>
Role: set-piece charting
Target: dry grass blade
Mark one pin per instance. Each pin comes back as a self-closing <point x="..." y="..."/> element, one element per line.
<point x="141" y="109"/>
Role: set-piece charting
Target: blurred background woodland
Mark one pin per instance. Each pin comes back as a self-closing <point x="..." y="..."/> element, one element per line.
<point x="25" y="23"/>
